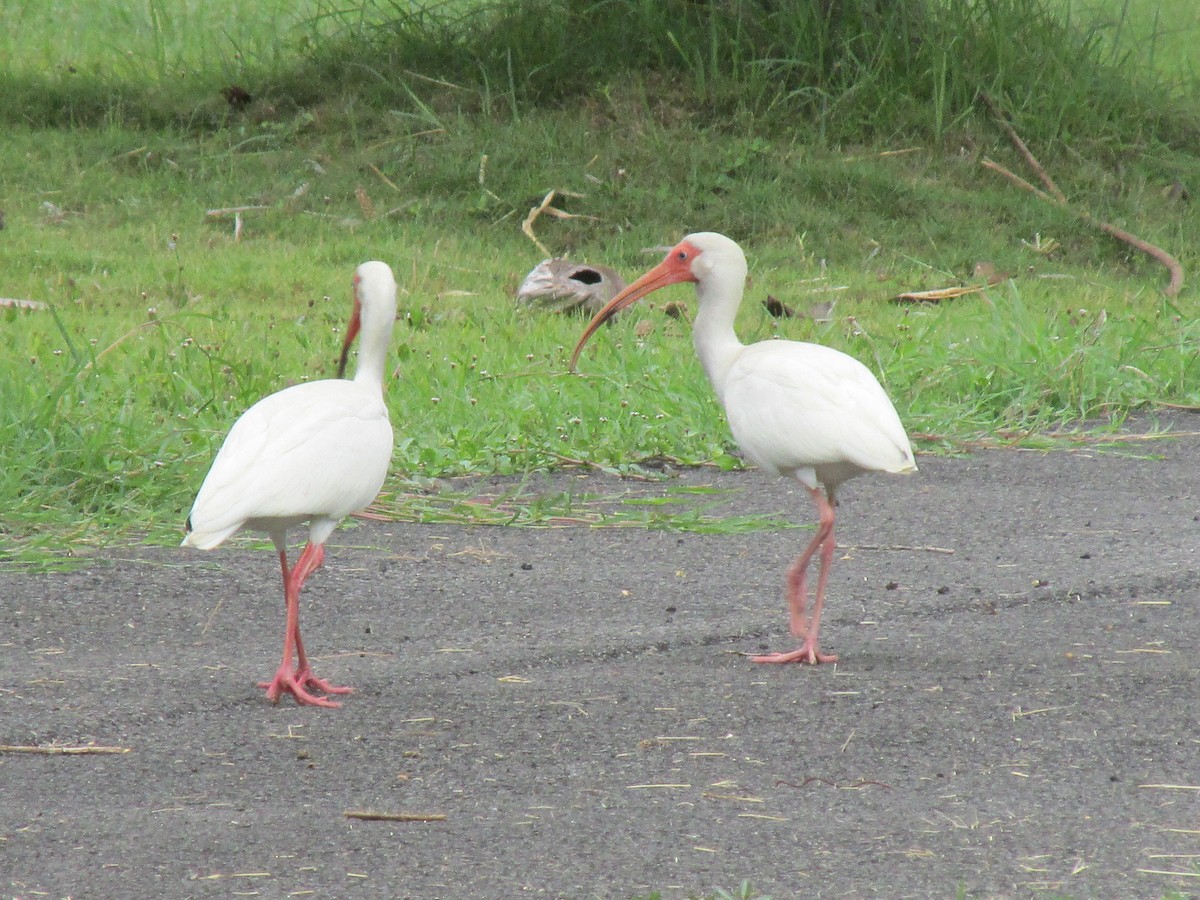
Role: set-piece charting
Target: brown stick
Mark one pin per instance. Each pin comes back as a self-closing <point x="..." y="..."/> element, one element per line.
<point x="371" y="816"/>
<point x="1016" y="179"/>
<point x="1024" y="150"/>
<point x="1174" y="286"/>
<point x="1173" y="265"/>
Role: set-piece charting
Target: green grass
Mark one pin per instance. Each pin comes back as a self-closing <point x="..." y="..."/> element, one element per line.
<point x="1163" y="35"/>
<point x="164" y="326"/>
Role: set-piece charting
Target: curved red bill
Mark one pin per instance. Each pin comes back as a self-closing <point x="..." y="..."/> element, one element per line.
<point x="351" y="331"/>
<point x="677" y="267"/>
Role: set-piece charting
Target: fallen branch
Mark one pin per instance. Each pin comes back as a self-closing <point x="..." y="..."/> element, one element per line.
<point x="1058" y="197"/>
<point x="22" y="304"/>
<point x="1016" y="179"/>
<point x="1024" y="150"/>
<point x="1173" y="265"/>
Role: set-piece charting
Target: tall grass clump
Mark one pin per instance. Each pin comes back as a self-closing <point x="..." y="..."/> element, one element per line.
<point x="152" y="63"/>
<point x="844" y="71"/>
<point x="840" y="71"/>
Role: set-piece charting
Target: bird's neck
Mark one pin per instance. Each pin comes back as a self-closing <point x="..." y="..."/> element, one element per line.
<point x="375" y="338"/>
<point x="716" y="343"/>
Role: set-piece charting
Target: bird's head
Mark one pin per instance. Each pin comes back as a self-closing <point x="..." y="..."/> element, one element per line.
<point x="696" y="258"/>
<point x="371" y="279"/>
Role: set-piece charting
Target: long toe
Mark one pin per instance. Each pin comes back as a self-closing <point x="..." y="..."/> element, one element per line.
<point x="309" y="680"/>
<point x="287" y="682"/>
<point x="810" y="655"/>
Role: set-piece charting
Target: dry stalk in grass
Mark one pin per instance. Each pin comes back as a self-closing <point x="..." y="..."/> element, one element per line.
<point x="937" y="295"/>
<point x="1058" y="197"/>
<point x="152" y="322"/>
<point x="232" y="211"/>
<point x="883" y="154"/>
<point x="375" y="170"/>
<point x="600" y="467"/>
<point x="368" y="815"/>
<point x="1182" y="407"/>
<point x="1170" y="872"/>
<point x="546" y="208"/>
<point x="63" y="751"/>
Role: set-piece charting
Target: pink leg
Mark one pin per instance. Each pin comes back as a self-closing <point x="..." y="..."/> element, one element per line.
<point x="297" y="681"/>
<point x="804" y="629"/>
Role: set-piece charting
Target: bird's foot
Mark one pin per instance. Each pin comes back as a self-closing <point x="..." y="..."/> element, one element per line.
<point x="806" y="653"/>
<point x="309" y="680"/>
<point x="297" y="684"/>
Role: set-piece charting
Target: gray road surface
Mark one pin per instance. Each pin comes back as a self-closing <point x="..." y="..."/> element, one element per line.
<point x="1017" y="716"/>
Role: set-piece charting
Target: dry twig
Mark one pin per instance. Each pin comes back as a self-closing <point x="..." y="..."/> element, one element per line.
<point x="232" y="211"/>
<point x="545" y="207"/>
<point x="372" y="816"/>
<point x="62" y="751"/>
<point x="375" y="170"/>
<point x="994" y="109"/>
<point x="936" y="296"/>
<point x="904" y="547"/>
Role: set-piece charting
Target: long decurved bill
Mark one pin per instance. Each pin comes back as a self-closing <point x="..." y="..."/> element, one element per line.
<point x="351" y="331"/>
<point x="671" y="270"/>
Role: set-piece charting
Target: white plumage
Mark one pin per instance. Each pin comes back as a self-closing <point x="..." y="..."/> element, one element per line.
<point x="312" y="453"/>
<point x="337" y="430"/>
<point x="813" y="413"/>
<point x="796" y="409"/>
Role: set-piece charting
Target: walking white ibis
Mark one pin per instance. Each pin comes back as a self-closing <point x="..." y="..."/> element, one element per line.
<point x="314" y="452"/>
<point x="802" y="410"/>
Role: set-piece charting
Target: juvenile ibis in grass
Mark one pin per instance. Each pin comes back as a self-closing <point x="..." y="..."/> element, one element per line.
<point x="797" y="409"/>
<point x="560" y="285"/>
<point x="312" y="453"/>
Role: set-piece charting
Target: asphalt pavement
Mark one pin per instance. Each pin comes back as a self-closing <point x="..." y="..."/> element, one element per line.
<point x="570" y="711"/>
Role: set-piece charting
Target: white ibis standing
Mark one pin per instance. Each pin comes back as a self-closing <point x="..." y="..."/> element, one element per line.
<point x="796" y="409"/>
<point x="314" y="452"/>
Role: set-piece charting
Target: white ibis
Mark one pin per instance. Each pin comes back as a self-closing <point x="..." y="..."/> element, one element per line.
<point x="797" y="409"/>
<point x="314" y="452"/>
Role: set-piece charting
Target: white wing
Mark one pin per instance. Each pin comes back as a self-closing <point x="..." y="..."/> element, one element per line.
<point x="794" y="407"/>
<point x="319" y="449"/>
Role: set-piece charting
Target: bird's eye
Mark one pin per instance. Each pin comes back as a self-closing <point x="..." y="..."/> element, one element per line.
<point x="682" y="256"/>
